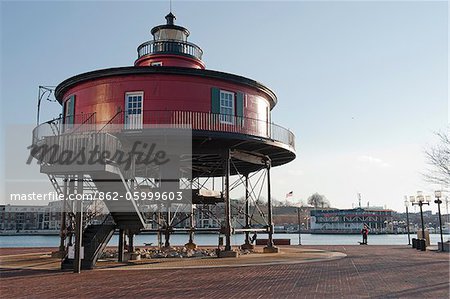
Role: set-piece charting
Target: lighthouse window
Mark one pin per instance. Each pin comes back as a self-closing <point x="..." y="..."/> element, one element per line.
<point x="134" y="104"/>
<point x="133" y="110"/>
<point x="226" y="107"/>
<point x="69" y="112"/>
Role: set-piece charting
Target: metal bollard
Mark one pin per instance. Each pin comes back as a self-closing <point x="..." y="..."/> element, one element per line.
<point x="418" y="244"/>
<point x="423" y="245"/>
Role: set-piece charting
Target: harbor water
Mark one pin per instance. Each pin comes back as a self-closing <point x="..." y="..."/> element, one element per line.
<point x="212" y="239"/>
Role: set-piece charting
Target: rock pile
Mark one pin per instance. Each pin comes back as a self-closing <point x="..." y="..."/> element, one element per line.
<point x="171" y="252"/>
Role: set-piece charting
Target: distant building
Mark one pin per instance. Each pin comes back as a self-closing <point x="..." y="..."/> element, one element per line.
<point x="20" y="219"/>
<point x="351" y="221"/>
<point x="209" y="216"/>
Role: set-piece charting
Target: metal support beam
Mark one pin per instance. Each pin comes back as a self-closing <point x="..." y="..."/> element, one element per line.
<point x="247" y="211"/>
<point x="252" y="229"/>
<point x="159" y="237"/>
<point x="62" y="230"/>
<point x="71" y="231"/>
<point x="191" y="221"/>
<point x="121" y="245"/>
<point x="191" y="232"/>
<point x="130" y="242"/>
<point x="248" y="157"/>
<point x="78" y="228"/>
<point x="227" y="203"/>
<point x="167" y="237"/>
<point x="269" y="208"/>
<point x="191" y="244"/>
<point x="168" y="228"/>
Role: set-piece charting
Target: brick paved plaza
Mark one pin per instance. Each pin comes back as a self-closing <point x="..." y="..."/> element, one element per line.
<point x="367" y="271"/>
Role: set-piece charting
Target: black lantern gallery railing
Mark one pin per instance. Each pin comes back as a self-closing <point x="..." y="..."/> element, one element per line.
<point x="169" y="47"/>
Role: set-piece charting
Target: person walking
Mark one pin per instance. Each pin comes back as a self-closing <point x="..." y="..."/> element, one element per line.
<point x="364" y="232"/>
<point x="253" y="240"/>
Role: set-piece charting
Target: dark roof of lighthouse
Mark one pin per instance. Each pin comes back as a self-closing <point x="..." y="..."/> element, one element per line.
<point x="170" y="25"/>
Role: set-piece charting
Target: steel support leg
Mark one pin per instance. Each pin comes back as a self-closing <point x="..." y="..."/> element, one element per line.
<point x="130" y="242"/>
<point x="62" y="230"/>
<point x="78" y="227"/>
<point x="159" y="237"/>
<point x="72" y="206"/>
<point x="167" y="228"/>
<point x="227" y="203"/>
<point x="121" y="245"/>
<point x="247" y="211"/>
<point x="270" y="246"/>
<point x="269" y="209"/>
<point x="191" y="244"/>
<point x="191" y="220"/>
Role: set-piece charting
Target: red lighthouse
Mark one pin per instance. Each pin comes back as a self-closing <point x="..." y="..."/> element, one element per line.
<point x="231" y="132"/>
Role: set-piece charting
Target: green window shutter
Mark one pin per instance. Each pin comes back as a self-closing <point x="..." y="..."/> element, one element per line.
<point x="240" y="104"/>
<point x="215" y="100"/>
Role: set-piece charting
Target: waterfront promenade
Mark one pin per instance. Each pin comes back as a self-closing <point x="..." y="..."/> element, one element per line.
<point x="356" y="272"/>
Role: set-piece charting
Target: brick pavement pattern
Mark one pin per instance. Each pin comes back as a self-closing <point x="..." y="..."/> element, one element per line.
<point x="366" y="272"/>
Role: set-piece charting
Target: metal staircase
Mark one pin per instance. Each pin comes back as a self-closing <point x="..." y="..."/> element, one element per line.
<point x="126" y="213"/>
<point x="55" y="184"/>
<point x="94" y="241"/>
<point x="106" y="177"/>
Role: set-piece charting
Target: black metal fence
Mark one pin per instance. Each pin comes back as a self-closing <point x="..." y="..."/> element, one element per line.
<point x="169" y="46"/>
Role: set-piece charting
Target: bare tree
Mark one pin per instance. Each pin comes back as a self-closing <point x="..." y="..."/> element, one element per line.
<point x="95" y="210"/>
<point x="438" y="157"/>
<point x="317" y="200"/>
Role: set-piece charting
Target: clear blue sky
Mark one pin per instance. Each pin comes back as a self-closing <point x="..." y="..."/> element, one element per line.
<point x="363" y="84"/>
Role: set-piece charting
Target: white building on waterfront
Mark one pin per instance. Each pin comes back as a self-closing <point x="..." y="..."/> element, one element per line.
<point x="28" y="219"/>
<point x="350" y="221"/>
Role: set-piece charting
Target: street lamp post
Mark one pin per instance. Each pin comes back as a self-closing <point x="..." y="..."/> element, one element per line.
<point x="421" y="200"/>
<point x="438" y="195"/>
<point x="407" y="220"/>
